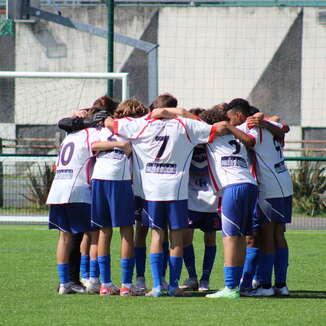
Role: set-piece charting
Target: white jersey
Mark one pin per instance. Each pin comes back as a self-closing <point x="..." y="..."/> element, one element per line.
<point x="71" y="183"/>
<point x="274" y="180"/>
<point x="162" y="151"/>
<point x="202" y="197"/>
<point x="112" y="164"/>
<point x="228" y="159"/>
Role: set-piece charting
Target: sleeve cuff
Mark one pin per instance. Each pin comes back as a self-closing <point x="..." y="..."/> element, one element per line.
<point x="115" y="127"/>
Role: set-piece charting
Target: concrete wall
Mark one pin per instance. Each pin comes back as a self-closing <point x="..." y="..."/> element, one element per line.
<point x="273" y="56"/>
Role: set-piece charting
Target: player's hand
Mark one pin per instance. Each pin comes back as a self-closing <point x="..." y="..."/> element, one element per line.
<point x="126" y="147"/>
<point x="256" y="120"/>
<point x="80" y="114"/>
<point x="221" y="128"/>
<point x="108" y="123"/>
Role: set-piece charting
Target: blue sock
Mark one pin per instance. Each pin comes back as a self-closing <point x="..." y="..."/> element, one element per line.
<point x="175" y="270"/>
<point x="252" y="255"/>
<point x="104" y="263"/>
<point x="156" y="261"/>
<point x="140" y="257"/>
<point x="93" y="268"/>
<point x="84" y="266"/>
<point x="189" y="260"/>
<point x="267" y="262"/>
<point x="127" y="268"/>
<point x="208" y="262"/>
<point x="281" y="266"/>
<point x="232" y="276"/>
<point x="63" y="271"/>
<point x="166" y="254"/>
<point x="257" y="275"/>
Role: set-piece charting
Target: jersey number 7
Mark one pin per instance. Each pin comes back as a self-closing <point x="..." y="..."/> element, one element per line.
<point x="164" y="140"/>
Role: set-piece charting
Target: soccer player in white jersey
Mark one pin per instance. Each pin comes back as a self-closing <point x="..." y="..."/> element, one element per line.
<point x="165" y="100"/>
<point x="202" y="214"/>
<point x="229" y="166"/>
<point x="275" y="200"/>
<point x="70" y="197"/>
<point x="113" y="201"/>
<point x="163" y="151"/>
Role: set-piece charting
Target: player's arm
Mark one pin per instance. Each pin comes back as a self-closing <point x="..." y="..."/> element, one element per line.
<point x="170" y="113"/>
<point x="77" y="123"/>
<point x="101" y="146"/>
<point x="247" y="140"/>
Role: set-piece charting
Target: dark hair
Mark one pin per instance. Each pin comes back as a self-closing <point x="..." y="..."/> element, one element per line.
<point x="213" y="115"/>
<point x="165" y="100"/>
<point x="106" y="103"/>
<point x="196" y="111"/>
<point x="239" y="104"/>
<point x="131" y="108"/>
<point x="253" y="110"/>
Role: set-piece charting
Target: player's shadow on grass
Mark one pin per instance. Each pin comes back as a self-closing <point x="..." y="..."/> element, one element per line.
<point x="299" y="294"/>
<point x="306" y="294"/>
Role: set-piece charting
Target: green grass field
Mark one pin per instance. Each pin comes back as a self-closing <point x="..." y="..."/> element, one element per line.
<point x="28" y="283"/>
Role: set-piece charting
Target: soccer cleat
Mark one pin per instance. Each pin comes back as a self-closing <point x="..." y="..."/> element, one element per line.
<point x="190" y="284"/>
<point x="244" y="292"/>
<point x="84" y="281"/>
<point x="165" y="285"/>
<point x="176" y="292"/>
<point x="155" y="292"/>
<point x="93" y="287"/>
<point x="203" y="286"/>
<point x="260" y="292"/>
<point x="131" y="291"/>
<point x="65" y="288"/>
<point x="255" y="284"/>
<point x="140" y="283"/>
<point x="283" y="291"/>
<point x="78" y="288"/>
<point x="110" y="289"/>
<point x="225" y="293"/>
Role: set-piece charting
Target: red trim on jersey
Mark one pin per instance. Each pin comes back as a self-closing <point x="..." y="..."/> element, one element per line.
<point x="210" y="172"/>
<point x="212" y="134"/>
<point x="184" y="126"/>
<point x="145" y="128"/>
<point x="261" y="135"/>
<point x="254" y="164"/>
<point x="149" y="116"/>
<point x="219" y="205"/>
<point x="252" y="137"/>
<point x="88" y="171"/>
<point x="115" y="127"/>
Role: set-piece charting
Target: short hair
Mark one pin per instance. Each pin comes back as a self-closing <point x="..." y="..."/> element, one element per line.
<point x="165" y="100"/>
<point x="196" y="111"/>
<point x="106" y="103"/>
<point x="240" y="105"/>
<point x="213" y="115"/>
<point x="253" y="110"/>
<point x="221" y="106"/>
<point x="131" y="108"/>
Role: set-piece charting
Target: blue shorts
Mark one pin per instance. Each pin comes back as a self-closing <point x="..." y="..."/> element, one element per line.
<point x="238" y="204"/>
<point x="206" y="222"/>
<point x="163" y="214"/>
<point x="112" y="203"/>
<point x="278" y="210"/>
<point x="70" y="217"/>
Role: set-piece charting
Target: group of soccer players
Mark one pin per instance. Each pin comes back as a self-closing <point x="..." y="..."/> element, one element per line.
<point x="172" y="170"/>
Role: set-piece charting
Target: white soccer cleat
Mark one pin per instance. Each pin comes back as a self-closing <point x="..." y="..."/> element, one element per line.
<point x="259" y="292"/>
<point x="65" y="288"/>
<point x="203" y="286"/>
<point x="190" y="284"/>
<point x="84" y="281"/>
<point x="78" y="288"/>
<point x="93" y="287"/>
<point x="141" y="283"/>
<point x="283" y="291"/>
